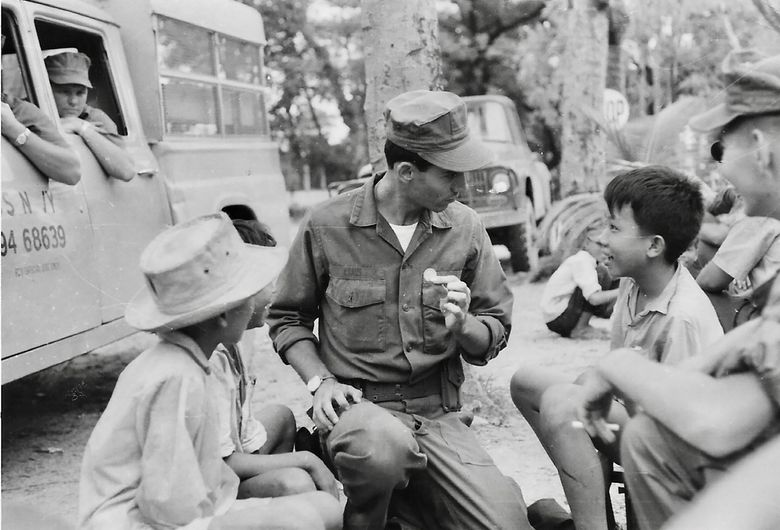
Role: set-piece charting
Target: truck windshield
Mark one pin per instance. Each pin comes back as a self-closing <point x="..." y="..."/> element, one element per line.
<point x="488" y="121"/>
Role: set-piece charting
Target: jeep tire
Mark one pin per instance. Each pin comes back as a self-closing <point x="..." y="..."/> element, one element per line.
<point x="523" y="254"/>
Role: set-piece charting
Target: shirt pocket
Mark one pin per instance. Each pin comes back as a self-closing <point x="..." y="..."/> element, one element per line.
<point x="358" y="313"/>
<point x="436" y="336"/>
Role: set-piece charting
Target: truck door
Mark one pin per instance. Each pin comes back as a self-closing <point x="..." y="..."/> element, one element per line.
<point x="49" y="288"/>
<point x="125" y="216"/>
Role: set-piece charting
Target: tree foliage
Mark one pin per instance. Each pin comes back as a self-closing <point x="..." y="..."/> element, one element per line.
<point x="670" y="49"/>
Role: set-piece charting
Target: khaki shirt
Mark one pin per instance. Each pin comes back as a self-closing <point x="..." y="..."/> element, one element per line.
<point x="378" y="321"/>
<point x="674" y="326"/>
<point x="153" y="459"/>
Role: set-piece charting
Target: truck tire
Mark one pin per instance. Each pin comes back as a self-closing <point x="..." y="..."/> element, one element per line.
<point x="523" y="254"/>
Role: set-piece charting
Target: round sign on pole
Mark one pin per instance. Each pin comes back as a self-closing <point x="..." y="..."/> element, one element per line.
<point x="615" y="108"/>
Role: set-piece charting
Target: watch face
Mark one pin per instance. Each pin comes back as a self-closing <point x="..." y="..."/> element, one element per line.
<point x="314" y="383"/>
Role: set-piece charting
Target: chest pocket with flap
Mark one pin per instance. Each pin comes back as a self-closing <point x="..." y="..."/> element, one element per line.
<point x="357" y="313"/>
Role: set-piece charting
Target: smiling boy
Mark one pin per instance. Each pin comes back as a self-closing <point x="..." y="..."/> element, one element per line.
<point x="655" y="213"/>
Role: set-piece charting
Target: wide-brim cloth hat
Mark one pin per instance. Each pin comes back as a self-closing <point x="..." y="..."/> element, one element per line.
<point x="752" y="88"/>
<point x="434" y="125"/>
<point x="68" y="68"/>
<point x="197" y="270"/>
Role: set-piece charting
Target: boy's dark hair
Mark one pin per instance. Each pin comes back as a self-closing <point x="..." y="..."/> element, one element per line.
<point x="664" y="202"/>
<point x="254" y="232"/>
<point x="395" y="153"/>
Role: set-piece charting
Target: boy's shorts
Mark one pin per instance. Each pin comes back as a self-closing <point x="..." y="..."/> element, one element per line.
<point x="564" y="323"/>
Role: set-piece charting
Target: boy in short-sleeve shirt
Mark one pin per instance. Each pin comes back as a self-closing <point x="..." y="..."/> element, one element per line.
<point x="577" y="290"/>
<point x="152" y="460"/>
<point x="674" y="326"/>
<point x="655" y="213"/>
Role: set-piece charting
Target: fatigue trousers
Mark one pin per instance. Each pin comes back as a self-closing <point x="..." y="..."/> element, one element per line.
<point x="663" y="472"/>
<point x="410" y="465"/>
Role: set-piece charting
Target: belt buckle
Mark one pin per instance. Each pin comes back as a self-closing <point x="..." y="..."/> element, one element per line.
<point x="398" y="394"/>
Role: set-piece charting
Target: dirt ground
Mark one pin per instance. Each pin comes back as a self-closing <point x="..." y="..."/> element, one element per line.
<point x="47" y="418"/>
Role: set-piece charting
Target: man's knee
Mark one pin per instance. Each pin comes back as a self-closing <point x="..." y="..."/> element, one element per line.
<point x="369" y="440"/>
<point x="277" y="483"/>
<point x="283" y="419"/>
<point x="295" y="480"/>
<point x="529" y="383"/>
<point x="558" y="404"/>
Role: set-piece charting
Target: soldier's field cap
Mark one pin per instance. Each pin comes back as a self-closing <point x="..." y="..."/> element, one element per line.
<point x="752" y="88"/>
<point x="434" y="125"/>
<point x="68" y="68"/>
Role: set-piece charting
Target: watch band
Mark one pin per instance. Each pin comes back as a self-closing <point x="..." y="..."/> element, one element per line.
<point x="23" y="136"/>
<point x="314" y="384"/>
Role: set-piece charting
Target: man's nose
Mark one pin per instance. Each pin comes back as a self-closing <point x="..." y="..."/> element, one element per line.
<point x="459" y="184"/>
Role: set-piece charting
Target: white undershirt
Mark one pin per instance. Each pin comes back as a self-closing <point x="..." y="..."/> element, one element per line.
<point x="404" y="233"/>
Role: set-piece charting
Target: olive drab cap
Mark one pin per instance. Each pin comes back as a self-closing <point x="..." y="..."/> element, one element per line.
<point x="752" y="87"/>
<point x="434" y="125"/>
<point x="68" y="68"/>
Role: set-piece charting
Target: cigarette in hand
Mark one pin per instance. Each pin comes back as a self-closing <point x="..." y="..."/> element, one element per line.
<point x="614" y="427"/>
<point x="430" y="276"/>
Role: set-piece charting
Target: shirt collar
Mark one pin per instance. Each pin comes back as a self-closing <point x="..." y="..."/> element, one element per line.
<point x="364" y="210"/>
<point x="659" y="304"/>
<point x="186" y="343"/>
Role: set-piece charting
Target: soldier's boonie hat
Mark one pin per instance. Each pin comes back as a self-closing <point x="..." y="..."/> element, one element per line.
<point x="434" y="125"/>
<point x="752" y="89"/>
<point x="68" y="68"/>
<point x="197" y="270"/>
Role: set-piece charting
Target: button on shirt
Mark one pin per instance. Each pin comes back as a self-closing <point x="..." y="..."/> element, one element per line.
<point x="378" y="320"/>
<point x="672" y="327"/>
<point x="153" y="460"/>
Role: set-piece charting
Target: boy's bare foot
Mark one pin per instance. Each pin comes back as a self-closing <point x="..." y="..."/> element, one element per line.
<point x="589" y="333"/>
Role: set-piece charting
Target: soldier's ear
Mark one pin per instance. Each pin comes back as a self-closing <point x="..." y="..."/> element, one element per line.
<point x="405" y="171"/>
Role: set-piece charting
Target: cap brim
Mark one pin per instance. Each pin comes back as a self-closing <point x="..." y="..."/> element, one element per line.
<point x="466" y="157"/>
<point x="261" y="266"/>
<point x="69" y="80"/>
<point x="715" y="118"/>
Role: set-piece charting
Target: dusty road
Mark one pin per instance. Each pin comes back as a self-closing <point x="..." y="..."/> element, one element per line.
<point x="47" y="418"/>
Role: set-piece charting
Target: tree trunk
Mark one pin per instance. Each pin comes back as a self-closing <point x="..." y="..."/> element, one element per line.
<point x="401" y="43"/>
<point x="618" y="21"/>
<point x="585" y="67"/>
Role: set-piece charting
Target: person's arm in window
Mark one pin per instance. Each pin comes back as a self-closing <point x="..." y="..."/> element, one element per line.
<point x="57" y="162"/>
<point x="112" y="158"/>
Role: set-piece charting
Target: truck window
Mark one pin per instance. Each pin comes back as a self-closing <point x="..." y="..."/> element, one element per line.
<point x="211" y="83"/>
<point x="54" y="36"/>
<point x="16" y="76"/>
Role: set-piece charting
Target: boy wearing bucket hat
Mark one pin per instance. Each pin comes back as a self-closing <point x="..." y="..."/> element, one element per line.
<point x="385" y="369"/>
<point x="69" y="77"/>
<point x="153" y="458"/>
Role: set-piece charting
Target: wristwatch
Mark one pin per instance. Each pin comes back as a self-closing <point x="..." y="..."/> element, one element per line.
<point x="23" y="136"/>
<point x="313" y="384"/>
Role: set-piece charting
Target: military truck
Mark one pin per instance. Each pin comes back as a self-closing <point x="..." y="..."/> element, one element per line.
<point x="512" y="195"/>
<point x="184" y="82"/>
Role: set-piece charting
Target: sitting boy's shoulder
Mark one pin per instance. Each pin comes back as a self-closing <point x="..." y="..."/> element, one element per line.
<point x="166" y="360"/>
<point x="688" y="301"/>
